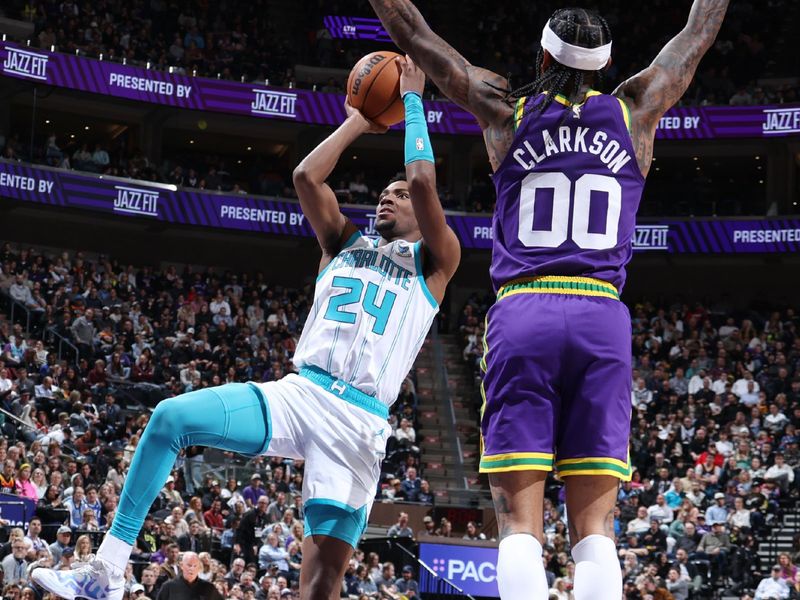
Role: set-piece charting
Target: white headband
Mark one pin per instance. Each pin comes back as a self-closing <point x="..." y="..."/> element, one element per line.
<point x="584" y="59"/>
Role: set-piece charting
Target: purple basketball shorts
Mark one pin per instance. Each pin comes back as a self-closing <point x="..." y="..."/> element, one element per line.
<point x="557" y="379"/>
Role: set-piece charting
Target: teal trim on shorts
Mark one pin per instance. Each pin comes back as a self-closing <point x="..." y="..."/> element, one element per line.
<point x="267" y="417"/>
<point x="421" y="276"/>
<point x="335" y="519"/>
<point x="345" y="391"/>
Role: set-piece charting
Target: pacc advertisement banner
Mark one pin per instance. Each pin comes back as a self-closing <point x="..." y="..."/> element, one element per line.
<point x="137" y="199"/>
<point x="473" y="569"/>
<point x="304" y="106"/>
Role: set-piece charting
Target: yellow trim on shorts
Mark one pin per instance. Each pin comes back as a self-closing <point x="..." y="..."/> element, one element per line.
<point x="517" y="461"/>
<point x="592" y="465"/>
<point x="557" y="284"/>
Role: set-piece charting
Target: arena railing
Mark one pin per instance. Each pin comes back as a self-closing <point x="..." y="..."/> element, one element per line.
<point x="15" y="308"/>
<point x="442" y="391"/>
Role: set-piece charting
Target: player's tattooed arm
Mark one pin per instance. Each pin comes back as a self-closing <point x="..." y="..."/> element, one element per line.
<point x="657" y="88"/>
<point x="472" y="88"/>
<point x="317" y="199"/>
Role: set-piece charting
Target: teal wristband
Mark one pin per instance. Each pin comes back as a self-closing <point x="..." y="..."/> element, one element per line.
<point x="418" y="144"/>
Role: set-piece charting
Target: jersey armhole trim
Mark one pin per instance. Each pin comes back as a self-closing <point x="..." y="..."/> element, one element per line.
<point x="519" y="112"/>
<point x="351" y="240"/>
<point x="626" y="114"/>
<point x="421" y="276"/>
<point x="348" y="244"/>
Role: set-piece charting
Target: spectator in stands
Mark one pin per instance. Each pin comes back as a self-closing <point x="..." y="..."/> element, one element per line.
<point x="640" y="524"/>
<point x="83" y="549"/>
<point x="15" y="565"/>
<point x="32" y="539"/>
<point x="83" y="332"/>
<point x="245" y="538"/>
<point x="63" y="537"/>
<point x="386" y="581"/>
<point x="75" y="504"/>
<point x="253" y="491"/>
<point x="406" y="584"/>
<point x="100" y="159"/>
<point x="411" y="485"/>
<point x="660" y="511"/>
<point x="718" y="513"/>
<point x="401" y="528"/>
<point x="714" y="546"/>
<point x="425" y="496"/>
<point x="186" y="585"/>
<point x="473" y="533"/>
<point x="772" y="587"/>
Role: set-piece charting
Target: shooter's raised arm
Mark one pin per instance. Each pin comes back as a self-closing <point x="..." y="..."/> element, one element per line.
<point x="317" y="199"/>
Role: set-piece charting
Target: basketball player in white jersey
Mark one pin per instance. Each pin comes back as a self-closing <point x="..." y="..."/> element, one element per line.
<point x="374" y="303"/>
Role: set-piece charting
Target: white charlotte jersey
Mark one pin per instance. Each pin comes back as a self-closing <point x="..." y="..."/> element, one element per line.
<point x="372" y="310"/>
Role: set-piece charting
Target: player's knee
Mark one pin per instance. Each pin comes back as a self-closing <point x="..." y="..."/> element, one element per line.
<point x="166" y="422"/>
<point x="320" y="586"/>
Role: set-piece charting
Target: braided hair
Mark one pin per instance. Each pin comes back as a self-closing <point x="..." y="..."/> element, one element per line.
<point x="576" y="26"/>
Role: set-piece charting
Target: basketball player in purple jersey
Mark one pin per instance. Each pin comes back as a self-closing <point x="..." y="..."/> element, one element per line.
<point x="569" y="166"/>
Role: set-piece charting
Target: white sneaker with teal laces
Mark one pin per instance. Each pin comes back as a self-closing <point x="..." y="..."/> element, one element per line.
<point x="93" y="580"/>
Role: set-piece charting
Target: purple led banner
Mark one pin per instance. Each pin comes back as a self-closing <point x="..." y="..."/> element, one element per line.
<point x="304" y="106"/>
<point x="136" y="199"/>
<point x="356" y="28"/>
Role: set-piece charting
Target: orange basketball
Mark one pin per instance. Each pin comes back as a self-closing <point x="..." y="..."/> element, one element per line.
<point x="373" y="87"/>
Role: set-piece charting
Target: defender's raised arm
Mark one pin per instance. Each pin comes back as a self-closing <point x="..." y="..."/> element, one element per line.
<point x="464" y="84"/>
<point x="656" y="89"/>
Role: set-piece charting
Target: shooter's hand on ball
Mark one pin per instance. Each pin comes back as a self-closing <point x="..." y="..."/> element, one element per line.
<point x="368" y="126"/>
<point x="412" y="78"/>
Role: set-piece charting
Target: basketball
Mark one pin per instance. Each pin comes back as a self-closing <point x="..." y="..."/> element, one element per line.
<point x="373" y="87"/>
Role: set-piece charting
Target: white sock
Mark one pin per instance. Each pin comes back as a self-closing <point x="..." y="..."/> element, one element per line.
<point x="520" y="571"/>
<point x="114" y="553"/>
<point x="597" y="572"/>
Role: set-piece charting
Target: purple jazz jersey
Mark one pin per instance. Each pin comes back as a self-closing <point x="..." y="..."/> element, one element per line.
<point x="567" y="193"/>
<point x="557" y="385"/>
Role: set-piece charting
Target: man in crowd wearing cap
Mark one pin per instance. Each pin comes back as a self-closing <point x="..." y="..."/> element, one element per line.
<point x="63" y="537"/>
<point x="169" y="494"/>
<point x="430" y="526"/>
<point x="714" y="546"/>
<point x="406" y="584"/>
<point x="718" y="512"/>
<point x="188" y="586"/>
<point x="401" y="528"/>
<point x="253" y="491"/>
<point x="773" y="587"/>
